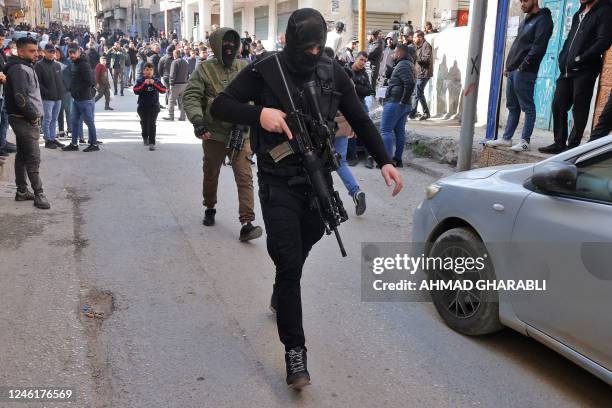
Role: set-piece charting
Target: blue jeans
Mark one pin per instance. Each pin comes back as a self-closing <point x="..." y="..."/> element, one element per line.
<point x="519" y="97"/>
<point x="49" y="120"/>
<point x="83" y="111"/>
<point x="4" y="123"/>
<point x="393" y="127"/>
<point x="419" y="96"/>
<point x="340" y="144"/>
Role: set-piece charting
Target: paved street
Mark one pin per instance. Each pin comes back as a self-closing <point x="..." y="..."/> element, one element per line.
<point x="186" y="319"/>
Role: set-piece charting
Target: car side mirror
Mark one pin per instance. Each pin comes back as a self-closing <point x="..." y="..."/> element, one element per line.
<point x="555" y="177"/>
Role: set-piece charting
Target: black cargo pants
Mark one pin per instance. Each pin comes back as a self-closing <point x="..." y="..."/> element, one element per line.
<point x="27" y="159"/>
<point x="292" y="228"/>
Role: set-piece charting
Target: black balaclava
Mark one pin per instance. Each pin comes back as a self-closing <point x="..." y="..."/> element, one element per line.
<point x="306" y="28"/>
<point x="228" y="52"/>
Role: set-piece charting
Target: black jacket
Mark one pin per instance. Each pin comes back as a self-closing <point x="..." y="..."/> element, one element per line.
<point x="154" y="59"/>
<point x="402" y="81"/>
<point x="50" y="80"/>
<point x="362" y="84"/>
<point x="83" y="81"/>
<point x="588" y="40"/>
<point x="22" y="90"/>
<point x="529" y="46"/>
<point x="93" y="57"/>
<point x="179" y="72"/>
<point x="164" y="67"/>
<point x="148" y="95"/>
<point x="375" y="51"/>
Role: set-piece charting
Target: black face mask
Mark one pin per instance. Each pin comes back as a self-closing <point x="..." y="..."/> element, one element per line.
<point x="306" y="28"/>
<point x="229" y="51"/>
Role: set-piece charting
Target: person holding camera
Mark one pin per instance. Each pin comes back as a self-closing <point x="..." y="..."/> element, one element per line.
<point x="209" y="79"/>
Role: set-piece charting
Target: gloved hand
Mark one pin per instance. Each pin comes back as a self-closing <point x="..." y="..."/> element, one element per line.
<point x="201" y="131"/>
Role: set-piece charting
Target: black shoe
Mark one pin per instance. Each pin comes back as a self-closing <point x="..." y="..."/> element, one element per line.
<point x="24" y="196"/>
<point x="61" y="134"/>
<point x="353" y="162"/>
<point x="145" y="142"/>
<point x="273" y="302"/>
<point x="151" y="147"/>
<point x="552" y="149"/>
<point x="108" y="108"/>
<point x="98" y="141"/>
<point x="168" y="118"/>
<point x="82" y="141"/>
<point x="369" y="162"/>
<point x="359" y="198"/>
<point x="209" y="217"/>
<point x="58" y="143"/>
<point x="71" y="148"/>
<point x="50" y="145"/>
<point x="425" y="116"/>
<point x="412" y="116"/>
<point x="397" y="163"/>
<point x="115" y="93"/>
<point x="40" y="201"/>
<point x="9" y="147"/>
<point x="249" y="232"/>
<point x="91" y="148"/>
<point x="297" y="372"/>
<point x="121" y="93"/>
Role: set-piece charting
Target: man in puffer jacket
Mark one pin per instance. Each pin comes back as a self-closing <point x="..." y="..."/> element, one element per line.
<point x="397" y="102"/>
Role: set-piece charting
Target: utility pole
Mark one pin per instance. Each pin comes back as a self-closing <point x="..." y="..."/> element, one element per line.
<point x="478" y="17"/>
<point x="362" y="26"/>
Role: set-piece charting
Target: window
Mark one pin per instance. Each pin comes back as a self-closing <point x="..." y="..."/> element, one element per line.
<point x="261" y="22"/>
<point x="594" y="180"/>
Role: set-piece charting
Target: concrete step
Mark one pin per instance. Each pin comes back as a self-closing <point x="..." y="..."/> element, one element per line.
<point x="495" y="156"/>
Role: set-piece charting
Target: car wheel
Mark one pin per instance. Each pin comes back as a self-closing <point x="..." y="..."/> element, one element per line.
<point x="472" y="312"/>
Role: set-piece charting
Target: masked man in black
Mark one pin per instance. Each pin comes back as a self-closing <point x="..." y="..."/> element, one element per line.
<point x="292" y="226"/>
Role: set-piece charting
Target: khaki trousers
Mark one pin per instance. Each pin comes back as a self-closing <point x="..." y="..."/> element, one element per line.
<point x="214" y="155"/>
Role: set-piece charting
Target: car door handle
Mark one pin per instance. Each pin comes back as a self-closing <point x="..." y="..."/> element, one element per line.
<point x="498" y="207"/>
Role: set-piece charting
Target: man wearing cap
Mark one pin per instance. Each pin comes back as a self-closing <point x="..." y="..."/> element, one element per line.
<point x="52" y="90"/>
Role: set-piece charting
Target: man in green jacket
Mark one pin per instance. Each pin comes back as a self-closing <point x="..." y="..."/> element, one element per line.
<point x="205" y="83"/>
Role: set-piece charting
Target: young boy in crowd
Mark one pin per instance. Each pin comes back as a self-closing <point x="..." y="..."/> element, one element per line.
<point x="148" y="89"/>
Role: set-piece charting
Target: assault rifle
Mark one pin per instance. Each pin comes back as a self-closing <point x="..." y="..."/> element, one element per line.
<point x="319" y="158"/>
<point x="235" y="142"/>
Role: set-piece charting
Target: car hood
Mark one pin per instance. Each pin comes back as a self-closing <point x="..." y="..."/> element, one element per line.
<point x="478" y="174"/>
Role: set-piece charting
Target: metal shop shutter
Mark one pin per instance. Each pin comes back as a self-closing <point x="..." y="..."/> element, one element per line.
<point x="380" y="21"/>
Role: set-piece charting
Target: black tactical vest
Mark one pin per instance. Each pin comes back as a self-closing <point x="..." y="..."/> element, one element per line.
<point x="262" y="141"/>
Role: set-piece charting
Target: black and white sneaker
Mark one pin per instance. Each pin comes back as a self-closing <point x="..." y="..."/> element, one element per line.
<point x="297" y="372"/>
<point x="58" y="143"/>
<point x="523" y="146"/>
<point x="359" y="198"/>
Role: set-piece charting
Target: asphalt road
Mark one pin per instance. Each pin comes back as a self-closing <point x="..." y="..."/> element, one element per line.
<point x="186" y="306"/>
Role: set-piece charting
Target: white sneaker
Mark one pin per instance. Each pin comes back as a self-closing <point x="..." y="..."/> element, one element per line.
<point x="523" y="146"/>
<point x="499" y="142"/>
